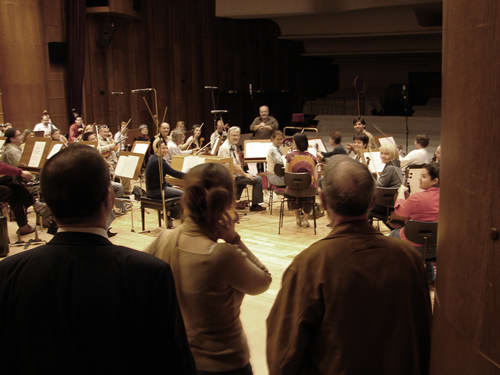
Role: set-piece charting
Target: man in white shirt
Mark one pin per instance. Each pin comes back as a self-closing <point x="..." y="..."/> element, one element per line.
<point x="217" y="136"/>
<point x="421" y="154"/>
<point x="177" y="138"/>
<point x="228" y="150"/>
<point x="46" y="126"/>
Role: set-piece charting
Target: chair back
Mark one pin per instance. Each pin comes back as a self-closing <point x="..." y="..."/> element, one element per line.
<point x="423" y="233"/>
<point x="298" y="185"/>
<point x="279" y="170"/>
<point x="385" y="197"/>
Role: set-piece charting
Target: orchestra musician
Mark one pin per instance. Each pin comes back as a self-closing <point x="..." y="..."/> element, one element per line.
<point x="359" y="147"/>
<point x="12" y="151"/>
<point x="264" y="124"/>
<point x="275" y="157"/>
<point x="45" y="125"/>
<point x="218" y="137"/>
<point x="437" y="155"/>
<point x="421" y="154"/>
<point x="153" y="183"/>
<point x="359" y="125"/>
<point x="301" y="161"/>
<point x="195" y="141"/>
<point x="335" y="141"/>
<point x="76" y="129"/>
<point x="177" y="139"/>
<point x="121" y="136"/>
<point x="163" y="135"/>
<point x="57" y="136"/>
<point x="391" y="176"/>
<point x="229" y="150"/>
<point x="144" y="136"/>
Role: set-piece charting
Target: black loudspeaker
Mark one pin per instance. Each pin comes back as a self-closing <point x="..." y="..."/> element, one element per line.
<point x="58" y="52"/>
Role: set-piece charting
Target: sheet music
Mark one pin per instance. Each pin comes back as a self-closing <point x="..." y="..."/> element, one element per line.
<point x="257" y="150"/>
<point x="126" y="166"/>
<point x="376" y="164"/>
<point x="191" y="162"/>
<point x="387" y="141"/>
<point x="312" y="146"/>
<point x="141" y="148"/>
<point x="414" y="179"/>
<point x="36" y="154"/>
<point x="55" y="149"/>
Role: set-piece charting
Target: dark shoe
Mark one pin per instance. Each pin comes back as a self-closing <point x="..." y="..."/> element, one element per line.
<point x="25" y="229"/>
<point x="111" y="234"/>
<point x="241" y="205"/>
<point x="257" y="208"/>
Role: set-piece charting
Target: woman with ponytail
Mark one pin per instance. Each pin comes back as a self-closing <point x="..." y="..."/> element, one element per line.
<point x="212" y="276"/>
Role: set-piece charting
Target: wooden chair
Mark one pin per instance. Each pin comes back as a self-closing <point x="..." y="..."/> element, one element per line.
<point x="298" y="187"/>
<point x="384" y="198"/>
<point x="425" y="234"/>
<point x="156" y="204"/>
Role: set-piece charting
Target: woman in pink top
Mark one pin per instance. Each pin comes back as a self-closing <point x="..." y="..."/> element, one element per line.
<point x="213" y="270"/>
<point x="422" y="206"/>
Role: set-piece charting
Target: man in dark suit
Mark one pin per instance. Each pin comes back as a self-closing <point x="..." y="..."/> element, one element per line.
<point x="81" y="305"/>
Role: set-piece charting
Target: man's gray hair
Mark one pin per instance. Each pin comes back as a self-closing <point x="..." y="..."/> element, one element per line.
<point x="233" y="129"/>
<point x="176" y="134"/>
<point x="349" y="187"/>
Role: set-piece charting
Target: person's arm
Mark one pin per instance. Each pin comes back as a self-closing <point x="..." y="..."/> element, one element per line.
<point x="167" y="169"/>
<point x="385" y="177"/>
<point x="408" y="159"/>
<point x="244" y="271"/>
<point x="254" y="126"/>
<point x="292" y="323"/>
<point x="9" y="170"/>
<point x="274" y="124"/>
<point x="406" y="207"/>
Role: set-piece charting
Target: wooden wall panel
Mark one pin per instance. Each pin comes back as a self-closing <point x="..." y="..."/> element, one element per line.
<point x="466" y="324"/>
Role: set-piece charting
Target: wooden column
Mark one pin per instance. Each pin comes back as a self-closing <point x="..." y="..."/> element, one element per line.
<point x="466" y="328"/>
<point x="23" y="59"/>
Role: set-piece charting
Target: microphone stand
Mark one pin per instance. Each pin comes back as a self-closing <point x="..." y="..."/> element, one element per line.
<point x="405" y="108"/>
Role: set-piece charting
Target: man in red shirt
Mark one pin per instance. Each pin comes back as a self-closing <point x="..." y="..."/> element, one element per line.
<point x="75" y="130"/>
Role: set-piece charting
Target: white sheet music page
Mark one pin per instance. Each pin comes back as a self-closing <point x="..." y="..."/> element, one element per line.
<point x="376" y="164"/>
<point x="140" y="148"/>
<point x="55" y="149"/>
<point x="257" y="150"/>
<point x="36" y="154"/>
<point x="126" y="166"/>
<point x="191" y="162"/>
<point x="387" y="141"/>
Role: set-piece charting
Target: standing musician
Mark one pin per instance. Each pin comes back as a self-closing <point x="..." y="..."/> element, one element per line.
<point x="263" y="125"/>
<point x="195" y="141"/>
<point x="218" y="137"/>
<point x="229" y="150"/>
<point x="76" y="129"/>
<point x="12" y="151"/>
<point x="163" y="135"/>
<point x="275" y="157"/>
<point x="359" y="125"/>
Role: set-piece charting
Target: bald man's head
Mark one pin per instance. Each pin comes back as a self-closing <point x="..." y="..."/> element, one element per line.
<point x="349" y="187"/>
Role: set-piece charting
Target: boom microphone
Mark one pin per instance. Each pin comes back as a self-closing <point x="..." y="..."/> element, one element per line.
<point x="217" y="111"/>
<point x="136" y="91"/>
<point x="117" y="93"/>
<point x="211" y="88"/>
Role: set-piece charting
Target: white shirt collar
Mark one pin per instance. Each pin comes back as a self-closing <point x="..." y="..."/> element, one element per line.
<point x="94" y="230"/>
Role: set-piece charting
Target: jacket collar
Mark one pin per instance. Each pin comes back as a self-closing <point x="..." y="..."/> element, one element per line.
<point x="353" y="227"/>
<point x="79" y="238"/>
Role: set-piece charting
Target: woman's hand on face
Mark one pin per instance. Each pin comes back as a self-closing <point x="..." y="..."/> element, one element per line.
<point x="227" y="230"/>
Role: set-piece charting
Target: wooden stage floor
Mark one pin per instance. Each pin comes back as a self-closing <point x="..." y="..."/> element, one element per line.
<point x="259" y="231"/>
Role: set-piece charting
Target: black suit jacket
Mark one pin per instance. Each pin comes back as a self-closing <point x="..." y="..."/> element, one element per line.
<point x="81" y="305"/>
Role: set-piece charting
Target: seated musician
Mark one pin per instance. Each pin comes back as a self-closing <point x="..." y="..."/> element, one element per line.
<point x="421" y="154"/>
<point x="144" y="136"/>
<point x="301" y="161"/>
<point x="18" y="197"/>
<point x="275" y="157"/>
<point x="336" y="142"/>
<point x="229" y="150"/>
<point x="25" y="135"/>
<point x="45" y="125"/>
<point x="391" y="176"/>
<point x="12" y="151"/>
<point x="217" y="137"/>
<point x="121" y="136"/>
<point x="194" y="141"/>
<point x="181" y="126"/>
<point x="437" y="155"/>
<point x="359" y="147"/>
<point x="107" y="147"/>
<point x="76" y="129"/>
<point x="359" y="125"/>
<point x="174" y="145"/>
<point x="153" y="183"/>
<point x="89" y="137"/>
<point x="57" y="136"/>
<point x="421" y="206"/>
<point x="163" y="135"/>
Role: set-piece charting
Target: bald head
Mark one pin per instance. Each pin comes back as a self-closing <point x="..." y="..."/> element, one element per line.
<point x="349" y="186"/>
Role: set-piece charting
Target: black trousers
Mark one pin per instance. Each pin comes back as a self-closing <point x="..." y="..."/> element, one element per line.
<point x="18" y="197"/>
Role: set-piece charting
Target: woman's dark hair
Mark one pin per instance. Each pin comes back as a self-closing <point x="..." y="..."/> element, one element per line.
<point x="86" y="136"/>
<point x="301" y="141"/>
<point x="422" y="140"/>
<point x="433" y="170"/>
<point x="361" y="137"/>
<point x="74" y="197"/>
<point x="336" y="136"/>
<point x="208" y="195"/>
<point x="359" y="119"/>
<point x="9" y="133"/>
